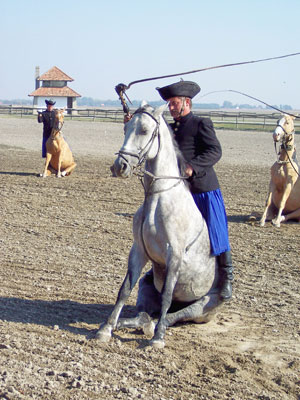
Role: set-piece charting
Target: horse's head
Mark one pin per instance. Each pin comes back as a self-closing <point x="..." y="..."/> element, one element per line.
<point x="285" y="129"/>
<point x="59" y="119"/>
<point x="141" y="140"/>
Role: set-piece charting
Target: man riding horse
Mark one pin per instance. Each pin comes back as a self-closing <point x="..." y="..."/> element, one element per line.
<point x="201" y="149"/>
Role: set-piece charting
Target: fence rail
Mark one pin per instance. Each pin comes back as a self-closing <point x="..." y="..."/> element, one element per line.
<point x="222" y="119"/>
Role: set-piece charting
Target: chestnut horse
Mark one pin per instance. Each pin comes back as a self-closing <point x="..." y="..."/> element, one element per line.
<point x="59" y="158"/>
<point x="283" y="202"/>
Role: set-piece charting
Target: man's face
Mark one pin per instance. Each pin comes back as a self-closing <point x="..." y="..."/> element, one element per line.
<point x="179" y="107"/>
<point x="50" y="107"/>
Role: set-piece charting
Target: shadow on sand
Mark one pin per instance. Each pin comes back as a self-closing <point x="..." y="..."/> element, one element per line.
<point x="62" y="313"/>
<point x="19" y="173"/>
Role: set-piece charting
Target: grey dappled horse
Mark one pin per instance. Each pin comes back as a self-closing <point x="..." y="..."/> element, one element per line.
<point x="169" y="231"/>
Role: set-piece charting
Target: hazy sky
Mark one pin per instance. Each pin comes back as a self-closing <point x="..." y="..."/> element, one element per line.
<point x="102" y="43"/>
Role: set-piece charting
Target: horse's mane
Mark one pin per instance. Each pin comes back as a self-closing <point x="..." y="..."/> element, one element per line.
<point x="180" y="158"/>
<point x="181" y="162"/>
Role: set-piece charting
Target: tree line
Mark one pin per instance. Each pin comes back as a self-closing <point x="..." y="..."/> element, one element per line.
<point x="91" y="102"/>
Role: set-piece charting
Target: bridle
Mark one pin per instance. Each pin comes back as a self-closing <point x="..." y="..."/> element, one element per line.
<point x="58" y="128"/>
<point x="286" y="139"/>
<point x="142" y="156"/>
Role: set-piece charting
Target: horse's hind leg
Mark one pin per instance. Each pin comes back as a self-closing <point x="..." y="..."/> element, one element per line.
<point x="200" y="311"/>
<point x="142" y="321"/>
<point x="69" y="169"/>
<point x="293" y="215"/>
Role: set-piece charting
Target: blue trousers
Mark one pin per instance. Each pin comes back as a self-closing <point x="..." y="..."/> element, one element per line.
<point x="211" y="205"/>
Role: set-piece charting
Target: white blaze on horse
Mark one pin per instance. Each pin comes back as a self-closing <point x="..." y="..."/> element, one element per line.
<point x="283" y="201"/>
<point x="169" y="231"/>
<point x="59" y="158"/>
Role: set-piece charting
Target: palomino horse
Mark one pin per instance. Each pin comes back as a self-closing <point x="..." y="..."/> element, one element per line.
<point x="283" y="200"/>
<point x="59" y="156"/>
<point x="169" y="231"/>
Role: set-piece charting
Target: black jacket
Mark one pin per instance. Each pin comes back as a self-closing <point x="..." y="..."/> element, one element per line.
<point x="47" y="117"/>
<point x="201" y="149"/>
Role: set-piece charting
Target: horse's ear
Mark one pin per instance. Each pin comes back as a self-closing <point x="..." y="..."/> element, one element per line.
<point x="292" y="116"/>
<point x="143" y="103"/>
<point x="160" y="110"/>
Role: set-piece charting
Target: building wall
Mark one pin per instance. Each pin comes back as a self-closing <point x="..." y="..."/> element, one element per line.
<point x="39" y="102"/>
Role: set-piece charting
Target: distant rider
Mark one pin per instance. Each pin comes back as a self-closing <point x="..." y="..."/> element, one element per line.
<point x="47" y="117"/>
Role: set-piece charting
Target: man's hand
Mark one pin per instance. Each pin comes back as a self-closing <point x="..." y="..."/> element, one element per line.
<point x="127" y="118"/>
<point x="189" y="170"/>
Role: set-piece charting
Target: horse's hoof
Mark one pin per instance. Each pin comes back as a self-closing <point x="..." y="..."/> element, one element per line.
<point x="63" y="173"/>
<point x="275" y="223"/>
<point x="157" y="344"/>
<point x="103" y="334"/>
<point x="148" y="328"/>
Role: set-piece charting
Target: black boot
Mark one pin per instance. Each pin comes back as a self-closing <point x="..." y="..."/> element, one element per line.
<point x="226" y="275"/>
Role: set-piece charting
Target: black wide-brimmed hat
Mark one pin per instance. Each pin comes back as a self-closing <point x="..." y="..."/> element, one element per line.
<point x="179" y="89"/>
<point x="50" y="102"/>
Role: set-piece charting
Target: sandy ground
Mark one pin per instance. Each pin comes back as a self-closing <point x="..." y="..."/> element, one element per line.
<point x="63" y="252"/>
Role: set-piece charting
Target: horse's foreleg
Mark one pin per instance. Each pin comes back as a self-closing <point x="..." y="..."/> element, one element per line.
<point x="60" y="157"/>
<point x="136" y="262"/>
<point x="276" y="221"/>
<point x="166" y="301"/>
<point x="47" y="172"/>
<point x="268" y="204"/>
